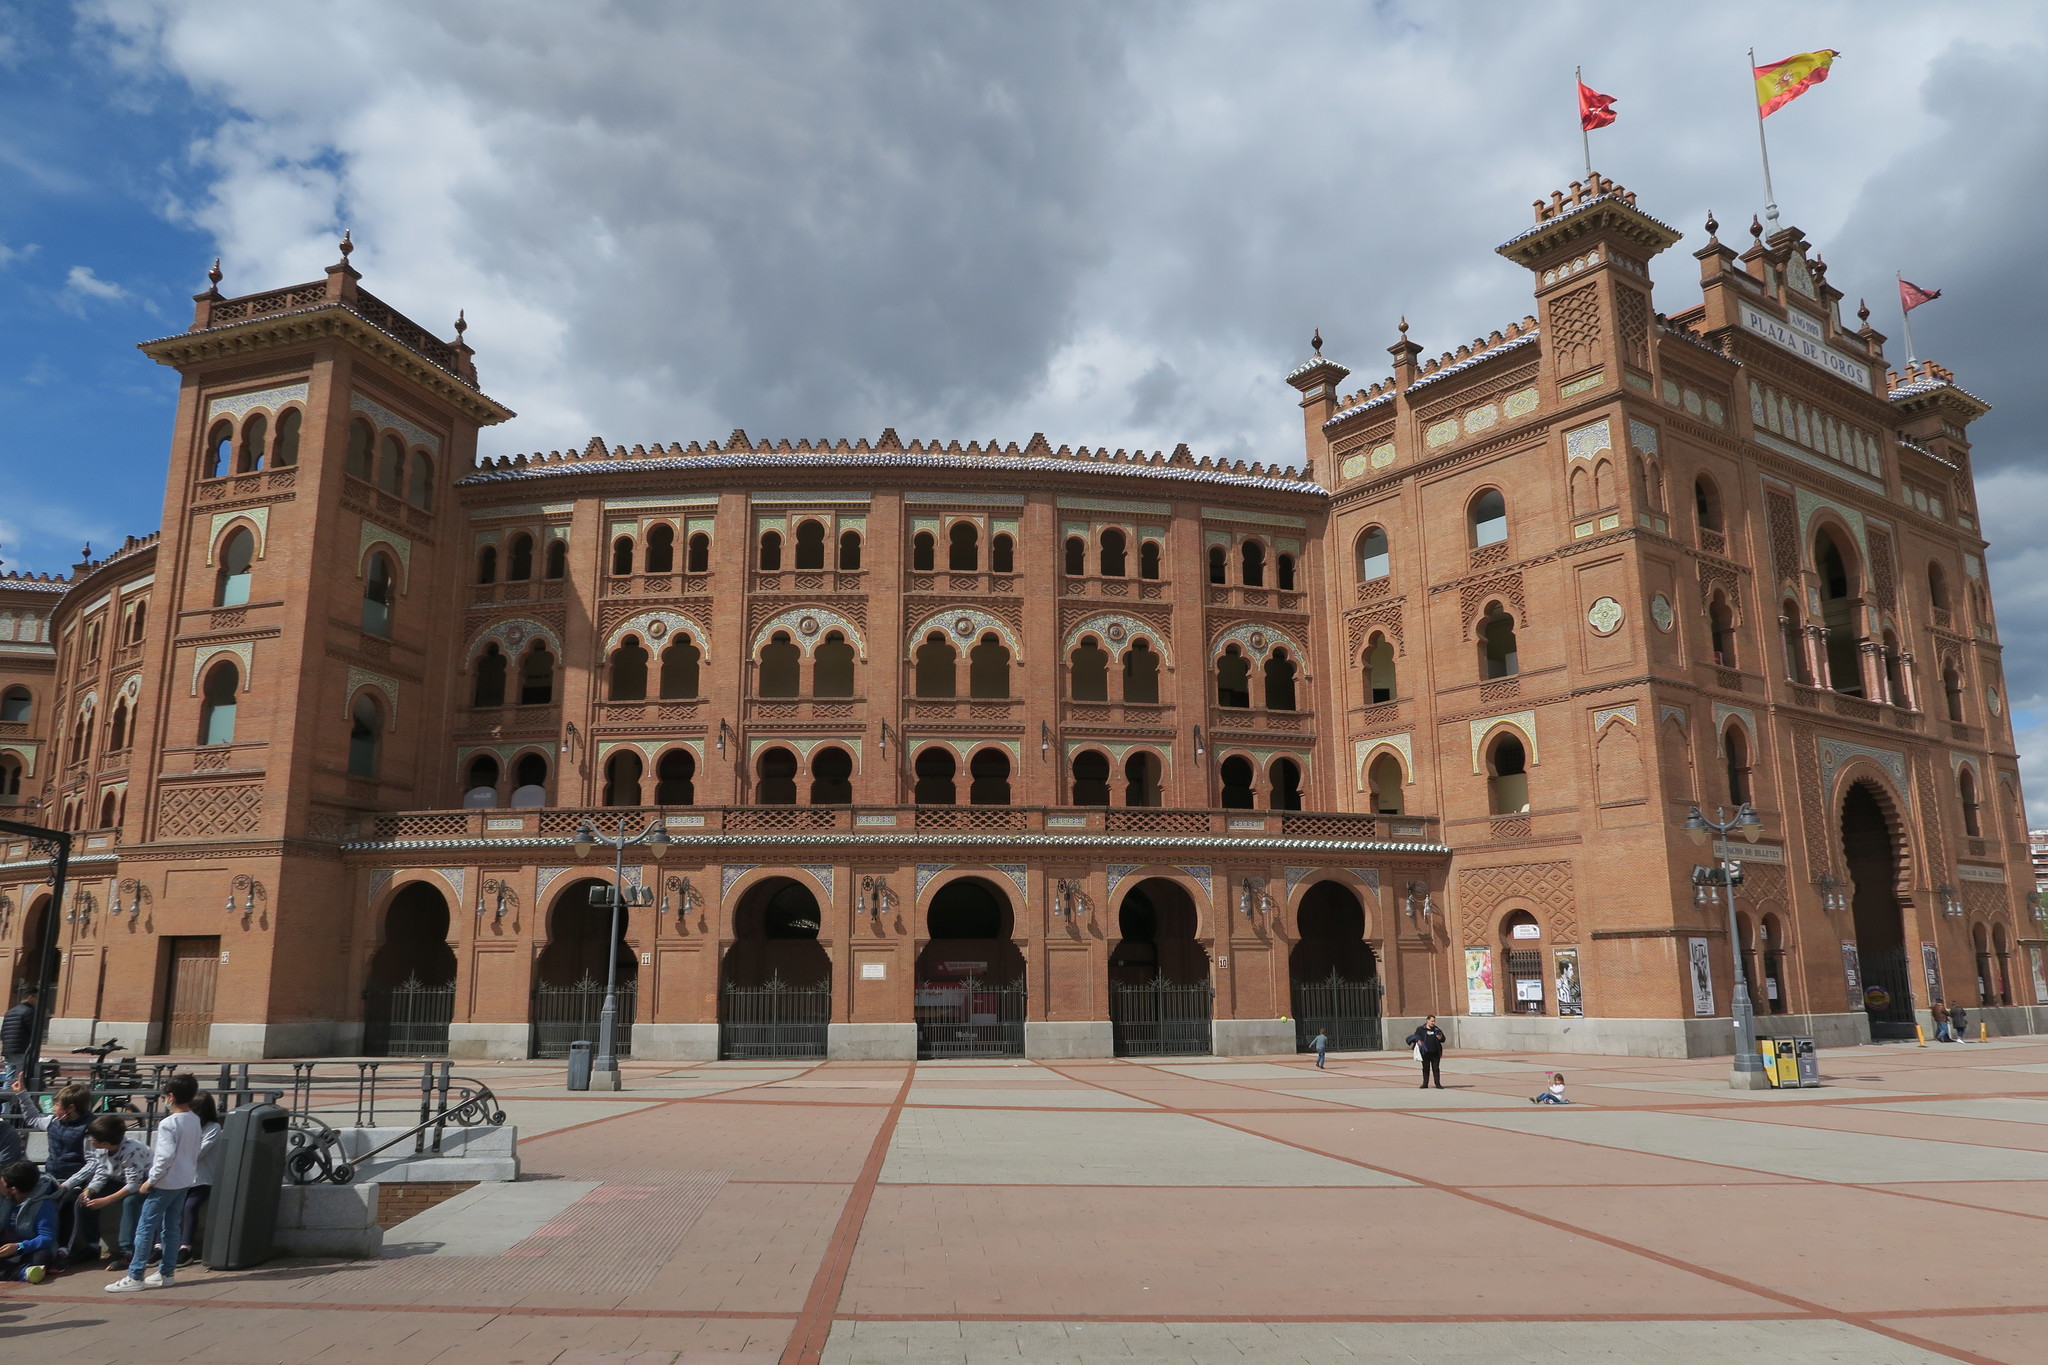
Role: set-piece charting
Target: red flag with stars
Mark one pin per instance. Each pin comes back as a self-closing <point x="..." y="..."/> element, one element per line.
<point x="1595" y="109"/>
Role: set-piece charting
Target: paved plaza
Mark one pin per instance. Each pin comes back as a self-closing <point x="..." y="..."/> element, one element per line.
<point x="1188" y="1210"/>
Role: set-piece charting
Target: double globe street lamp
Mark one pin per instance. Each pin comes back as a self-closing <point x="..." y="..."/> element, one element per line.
<point x="1726" y="874"/>
<point x="605" y="1071"/>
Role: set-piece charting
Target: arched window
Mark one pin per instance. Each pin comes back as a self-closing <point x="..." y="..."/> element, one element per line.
<point x="365" y="735"/>
<point x="1894" y="672"/>
<point x="1076" y="557"/>
<point x="1251" y="558"/>
<point x="1237" y="775"/>
<point x="109" y="804"/>
<point x="831" y="777"/>
<point x="832" y="667"/>
<point x="419" y="487"/>
<point x="660" y="555"/>
<point x="557" y="559"/>
<point x="1497" y="655"/>
<point x="700" y="554"/>
<point x="237" y="560"/>
<point x="1283" y="791"/>
<point x="489" y="688"/>
<point x="1966" y="789"/>
<point x="1952" y="692"/>
<point x="1219" y="564"/>
<point x="117" y="727"/>
<point x="1489" y="518"/>
<point x="781" y="667"/>
<point x="1090" y="771"/>
<point x="1735" y="751"/>
<point x="137" y="624"/>
<point x="1283" y="573"/>
<point x="628" y="680"/>
<point x="1379" y="669"/>
<point x="284" y="452"/>
<point x="361" y="461"/>
<point x="1581" y="487"/>
<point x="390" y="466"/>
<point x="1112" y="560"/>
<point x="218" y="454"/>
<point x="988" y="668"/>
<point x="1148" y="559"/>
<point x="622" y="778"/>
<point x="935" y="660"/>
<point x="771" y="551"/>
<point x="1721" y="629"/>
<point x="378" y="594"/>
<point x="810" y="545"/>
<point x="530" y="781"/>
<point x="849" y="551"/>
<point x="934" y="770"/>
<point x="1507" y="775"/>
<point x="1280" y="673"/>
<point x="679" y="669"/>
<point x="1002" y="553"/>
<point x="675" y="779"/>
<point x="1233" y="678"/>
<point x="1141" y="779"/>
<point x="480" y="786"/>
<point x="1937" y="586"/>
<point x="255" y="435"/>
<point x="776" y="773"/>
<point x="487" y="564"/>
<point x="81" y="733"/>
<point x="1141" y="673"/>
<point x="988" y="778"/>
<point x="10" y="779"/>
<point x="1374" y="555"/>
<point x="622" y="556"/>
<point x="537" y="676"/>
<point x="519" y="558"/>
<point x="923" y="552"/>
<point x="1792" y="636"/>
<point x="963" y="547"/>
<point x="1706" y="503"/>
<point x="1088" y="674"/>
<point x="1384" y="780"/>
<point x="17" y="706"/>
<point x="1839" y="613"/>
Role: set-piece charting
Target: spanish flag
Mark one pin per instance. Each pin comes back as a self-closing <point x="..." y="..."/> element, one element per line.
<point x="1778" y="84"/>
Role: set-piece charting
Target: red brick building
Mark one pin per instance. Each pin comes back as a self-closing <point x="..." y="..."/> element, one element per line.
<point x="1023" y="748"/>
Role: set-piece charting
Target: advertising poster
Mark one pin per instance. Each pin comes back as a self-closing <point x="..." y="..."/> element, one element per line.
<point x="1479" y="981"/>
<point x="1852" y="971"/>
<point x="1702" y="977"/>
<point x="1931" y="960"/>
<point x="2040" y="970"/>
<point x="1568" y="1001"/>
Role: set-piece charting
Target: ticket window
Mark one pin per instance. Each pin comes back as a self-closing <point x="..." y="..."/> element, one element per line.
<point x="1522" y="955"/>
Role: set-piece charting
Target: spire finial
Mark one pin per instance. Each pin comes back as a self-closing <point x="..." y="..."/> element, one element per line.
<point x="1863" y="312"/>
<point x="461" y="322"/>
<point x="1316" y="342"/>
<point x="213" y="276"/>
<point x="1756" y="227"/>
<point x="347" y="245"/>
<point x="1404" y="326"/>
<point x="1713" y="226"/>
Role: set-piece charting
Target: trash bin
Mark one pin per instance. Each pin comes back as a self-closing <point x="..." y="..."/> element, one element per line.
<point x="1807" y="1059"/>
<point x="241" y="1214"/>
<point x="1780" y="1065"/>
<point x="579" y="1065"/>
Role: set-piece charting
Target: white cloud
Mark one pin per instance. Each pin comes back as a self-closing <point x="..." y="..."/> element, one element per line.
<point x="10" y="254"/>
<point x="82" y="283"/>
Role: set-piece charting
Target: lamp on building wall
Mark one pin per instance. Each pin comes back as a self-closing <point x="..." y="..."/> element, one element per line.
<point x="1199" y="750"/>
<point x="1950" y="905"/>
<point x="6" y="914"/>
<point x="725" y="730"/>
<point x="686" y="897"/>
<point x="245" y="884"/>
<point x="1068" y="899"/>
<point x="571" y="738"/>
<point x="501" y="896"/>
<point x="1253" y="900"/>
<point x="875" y="892"/>
<point x="1832" y="898"/>
<point x="136" y="892"/>
<point x="1419" y="906"/>
<point x="1044" y="742"/>
<point x="82" y="906"/>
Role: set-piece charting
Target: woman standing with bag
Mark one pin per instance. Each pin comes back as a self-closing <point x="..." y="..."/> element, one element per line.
<point x="1428" y="1042"/>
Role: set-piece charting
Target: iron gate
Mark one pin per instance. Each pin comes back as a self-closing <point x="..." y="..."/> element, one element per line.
<point x="571" y="1014"/>
<point x="774" y="1019"/>
<point x="969" y="1019"/>
<point x="410" y="1020"/>
<point x="1348" y="1011"/>
<point x="1160" y="1019"/>
<point x="1888" y="994"/>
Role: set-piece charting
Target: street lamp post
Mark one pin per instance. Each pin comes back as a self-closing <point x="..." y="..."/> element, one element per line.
<point x="1726" y="873"/>
<point x="56" y="846"/>
<point x="655" y="836"/>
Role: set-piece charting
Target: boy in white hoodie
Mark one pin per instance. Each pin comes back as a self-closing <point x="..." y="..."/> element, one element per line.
<point x="173" y="1169"/>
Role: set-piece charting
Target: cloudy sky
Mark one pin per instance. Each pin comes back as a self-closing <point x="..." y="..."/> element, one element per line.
<point x="1109" y="223"/>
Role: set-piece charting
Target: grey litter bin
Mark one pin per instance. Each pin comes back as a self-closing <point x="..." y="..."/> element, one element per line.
<point x="1808" y="1060"/>
<point x="241" y="1214"/>
<point x="579" y="1065"/>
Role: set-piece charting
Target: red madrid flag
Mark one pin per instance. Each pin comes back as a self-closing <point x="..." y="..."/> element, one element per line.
<point x="1911" y="295"/>
<point x="1595" y="109"/>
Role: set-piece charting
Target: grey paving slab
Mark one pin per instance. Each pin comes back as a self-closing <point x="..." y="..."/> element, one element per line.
<point x="1719" y="1089"/>
<point x="1454" y="1065"/>
<point x="2008" y="1108"/>
<point x="485" y="1220"/>
<point x="1235" y="1071"/>
<point x="1798" y="1342"/>
<point x="1032" y="1098"/>
<point x="1403" y="1097"/>
<point x="544" y="1116"/>
<point x="975" y="1063"/>
<point x="1814" y="1153"/>
<point x="2028" y="1068"/>
<point x="1018" y="1147"/>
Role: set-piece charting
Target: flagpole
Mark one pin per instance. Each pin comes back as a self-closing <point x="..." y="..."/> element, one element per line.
<point x="1770" y="195"/>
<point x="1585" y="137"/>
<point x="1905" y="315"/>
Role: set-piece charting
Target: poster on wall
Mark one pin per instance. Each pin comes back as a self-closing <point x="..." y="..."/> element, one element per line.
<point x="1479" y="981"/>
<point x="1702" y="977"/>
<point x="1852" y="972"/>
<point x="1931" y="961"/>
<point x="2040" y="969"/>
<point x="1568" y="1001"/>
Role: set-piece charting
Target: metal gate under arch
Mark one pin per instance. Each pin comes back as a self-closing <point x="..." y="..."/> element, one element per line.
<point x="774" y="1019"/>
<point x="1348" y="1011"/>
<point x="409" y="1020"/>
<point x="1161" y="1019"/>
<point x="571" y="1014"/>
<point x="969" y="1018"/>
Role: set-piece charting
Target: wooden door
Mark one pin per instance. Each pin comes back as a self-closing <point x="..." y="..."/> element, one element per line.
<point x="188" y="1008"/>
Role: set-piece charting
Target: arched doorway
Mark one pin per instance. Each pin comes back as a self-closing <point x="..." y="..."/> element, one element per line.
<point x="1872" y="852"/>
<point x="35" y="934"/>
<point x="410" y="994"/>
<point x="775" y="984"/>
<point x="569" y="975"/>
<point x="970" y="975"/>
<point x="1161" y="1002"/>
<point x="1335" y="981"/>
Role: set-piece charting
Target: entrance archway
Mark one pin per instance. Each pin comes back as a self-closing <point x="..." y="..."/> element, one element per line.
<point x="1871" y="849"/>
<point x="775" y="983"/>
<point x="1334" y="980"/>
<point x="35" y="934"/>
<point x="409" y="997"/>
<point x="1161" y="1002"/>
<point x="569" y="975"/>
<point x="970" y="976"/>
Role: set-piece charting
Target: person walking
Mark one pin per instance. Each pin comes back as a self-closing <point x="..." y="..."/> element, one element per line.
<point x="1321" y="1044"/>
<point x="1958" y="1024"/>
<point x="1939" y="1009"/>
<point x="173" y="1169"/>
<point x="1428" y="1042"/>
<point x="18" y="1029"/>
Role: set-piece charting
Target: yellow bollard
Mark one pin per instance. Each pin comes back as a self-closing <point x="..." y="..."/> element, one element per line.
<point x="1921" y="1034"/>
<point x="1983" y="1032"/>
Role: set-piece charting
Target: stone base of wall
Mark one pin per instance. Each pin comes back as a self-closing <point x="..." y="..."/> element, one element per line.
<point x="870" y="1042"/>
<point x="328" y="1220"/>
<point x="467" y="1154"/>
<point x="675" y="1042"/>
<point x="1064" y="1040"/>
<point x="292" y="1038"/>
<point x="1999" y="1021"/>
<point x="490" y="1042"/>
<point x="1668" y="1038"/>
<point x="65" y="1034"/>
<point x="1251" y="1037"/>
